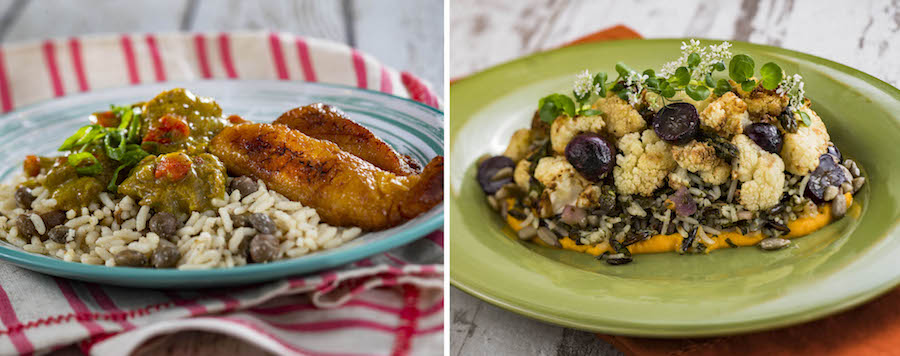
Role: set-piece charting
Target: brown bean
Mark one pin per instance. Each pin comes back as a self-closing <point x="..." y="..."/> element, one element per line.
<point x="263" y="248"/>
<point x="166" y="255"/>
<point x="245" y="185"/>
<point x="130" y="258"/>
<point x="163" y="224"/>
<point x="26" y="226"/>
<point x="59" y="233"/>
<point x="24" y="198"/>
<point x="53" y="218"/>
<point x="262" y="223"/>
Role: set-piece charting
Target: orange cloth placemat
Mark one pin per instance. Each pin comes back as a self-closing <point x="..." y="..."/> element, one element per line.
<point x="870" y="329"/>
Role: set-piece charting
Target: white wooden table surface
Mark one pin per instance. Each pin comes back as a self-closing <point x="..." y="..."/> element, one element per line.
<point x="405" y="34"/>
<point x="864" y="34"/>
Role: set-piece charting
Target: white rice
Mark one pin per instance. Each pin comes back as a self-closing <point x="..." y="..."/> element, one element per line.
<point x="206" y="240"/>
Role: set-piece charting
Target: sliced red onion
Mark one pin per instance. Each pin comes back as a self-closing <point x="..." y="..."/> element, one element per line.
<point x="684" y="202"/>
<point x="573" y="215"/>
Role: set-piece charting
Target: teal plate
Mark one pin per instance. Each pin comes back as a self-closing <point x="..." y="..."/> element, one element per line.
<point x="410" y="127"/>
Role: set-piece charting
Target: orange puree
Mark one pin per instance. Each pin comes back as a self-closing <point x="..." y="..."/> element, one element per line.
<point x="665" y="243"/>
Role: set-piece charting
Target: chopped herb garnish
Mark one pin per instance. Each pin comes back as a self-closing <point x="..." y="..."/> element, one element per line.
<point x="85" y="163"/>
<point x="730" y="243"/>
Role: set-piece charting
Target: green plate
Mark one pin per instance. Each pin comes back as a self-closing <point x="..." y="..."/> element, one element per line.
<point x="667" y="295"/>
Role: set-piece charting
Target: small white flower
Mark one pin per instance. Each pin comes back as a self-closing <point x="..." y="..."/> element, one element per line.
<point x="584" y="84"/>
<point x="794" y="88"/>
<point x="709" y="56"/>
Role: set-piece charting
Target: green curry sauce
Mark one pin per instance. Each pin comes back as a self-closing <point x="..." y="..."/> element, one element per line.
<point x="139" y="151"/>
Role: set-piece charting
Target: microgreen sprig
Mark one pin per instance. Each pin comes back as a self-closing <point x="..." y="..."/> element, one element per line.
<point x="693" y="73"/>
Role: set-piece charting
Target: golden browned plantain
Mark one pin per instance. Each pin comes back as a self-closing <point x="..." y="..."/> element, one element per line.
<point x="328" y="123"/>
<point x="344" y="189"/>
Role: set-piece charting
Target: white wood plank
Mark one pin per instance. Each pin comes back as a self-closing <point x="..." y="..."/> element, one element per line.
<point x="407" y="35"/>
<point x="61" y="18"/>
<point x="322" y="19"/>
<point x="859" y="34"/>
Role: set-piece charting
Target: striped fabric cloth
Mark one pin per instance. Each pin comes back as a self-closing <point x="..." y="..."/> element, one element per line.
<point x="388" y="304"/>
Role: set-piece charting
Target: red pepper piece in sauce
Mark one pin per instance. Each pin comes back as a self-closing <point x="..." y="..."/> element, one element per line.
<point x="169" y="128"/>
<point x="173" y="166"/>
<point x="32" y="165"/>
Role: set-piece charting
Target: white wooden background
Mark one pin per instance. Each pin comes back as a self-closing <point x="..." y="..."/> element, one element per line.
<point x="404" y="34"/>
<point x="864" y="34"/>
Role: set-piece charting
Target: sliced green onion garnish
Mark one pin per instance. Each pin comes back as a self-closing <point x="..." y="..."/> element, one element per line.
<point x="85" y="163"/>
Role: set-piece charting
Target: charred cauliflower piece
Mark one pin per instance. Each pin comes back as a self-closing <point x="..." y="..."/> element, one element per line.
<point x="801" y="150"/>
<point x="561" y="181"/>
<point x="701" y="158"/>
<point x="621" y="119"/>
<point x="679" y="178"/>
<point x="760" y="101"/>
<point x="644" y="165"/>
<point x="521" y="175"/>
<point x="518" y="144"/>
<point x="727" y="115"/>
<point x="565" y="128"/>
<point x="761" y="172"/>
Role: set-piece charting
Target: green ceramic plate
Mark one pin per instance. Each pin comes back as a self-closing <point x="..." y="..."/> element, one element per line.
<point x="667" y="295"/>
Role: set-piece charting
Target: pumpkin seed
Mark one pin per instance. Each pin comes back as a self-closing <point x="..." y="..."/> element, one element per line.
<point x="830" y="193"/>
<point x="773" y="243"/>
<point x="527" y="233"/>
<point x="503" y="174"/>
<point x="839" y="206"/>
<point x="547" y="236"/>
<point x="858" y="183"/>
<point x="846" y="187"/>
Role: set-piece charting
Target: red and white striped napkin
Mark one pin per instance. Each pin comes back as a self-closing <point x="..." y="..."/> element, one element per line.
<point x="388" y="304"/>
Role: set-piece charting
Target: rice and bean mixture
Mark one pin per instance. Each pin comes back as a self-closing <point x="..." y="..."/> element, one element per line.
<point x="116" y="231"/>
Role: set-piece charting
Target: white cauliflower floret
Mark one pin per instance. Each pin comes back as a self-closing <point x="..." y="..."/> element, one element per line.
<point x="621" y="118"/>
<point x="679" y="178"/>
<point x="727" y="115"/>
<point x="565" y="128"/>
<point x="760" y="101"/>
<point x="518" y="144"/>
<point x="521" y="176"/>
<point x="801" y="150"/>
<point x="701" y="158"/>
<point x="761" y="172"/>
<point x="561" y="181"/>
<point x="655" y="102"/>
<point x="644" y="165"/>
<point x="589" y="197"/>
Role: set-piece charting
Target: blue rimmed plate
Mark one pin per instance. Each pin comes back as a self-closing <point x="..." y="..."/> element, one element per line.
<point x="410" y="127"/>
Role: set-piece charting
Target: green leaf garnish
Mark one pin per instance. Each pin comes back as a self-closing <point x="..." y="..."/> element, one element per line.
<point x="133" y="155"/>
<point x="722" y="87"/>
<point x="697" y="92"/>
<point x="693" y="60"/>
<point x="741" y="68"/>
<point x="748" y="85"/>
<point x="719" y="66"/>
<point x="623" y="69"/>
<point x="591" y="112"/>
<point x="554" y="105"/>
<point x="69" y="143"/>
<point x="806" y="119"/>
<point x="708" y="80"/>
<point x="666" y="89"/>
<point x="681" y="77"/>
<point x="600" y="81"/>
<point x="771" y="75"/>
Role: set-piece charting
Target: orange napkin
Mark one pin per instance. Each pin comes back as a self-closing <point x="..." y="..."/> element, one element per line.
<point x="870" y="329"/>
